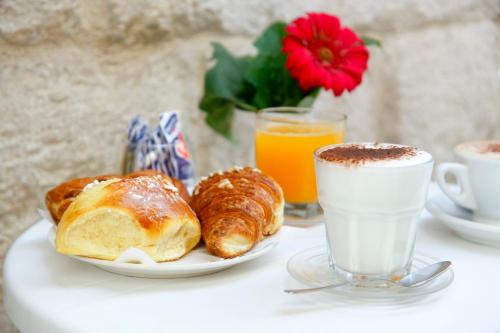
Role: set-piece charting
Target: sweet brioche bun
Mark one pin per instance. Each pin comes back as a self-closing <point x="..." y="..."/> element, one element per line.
<point x="60" y="197"/>
<point x="147" y="213"/>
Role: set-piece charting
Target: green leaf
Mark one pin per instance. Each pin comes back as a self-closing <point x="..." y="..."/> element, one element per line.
<point x="270" y="41"/>
<point x="225" y="79"/>
<point x="369" y="41"/>
<point x="267" y="73"/>
<point x="250" y="83"/>
<point x="272" y="83"/>
<point x="221" y="116"/>
<point x="225" y="89"/>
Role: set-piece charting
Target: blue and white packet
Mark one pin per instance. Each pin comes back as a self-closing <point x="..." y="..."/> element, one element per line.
<point x="161" y="148"/>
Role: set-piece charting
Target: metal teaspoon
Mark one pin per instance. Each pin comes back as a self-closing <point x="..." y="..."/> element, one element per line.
<point x="415" y="279"/>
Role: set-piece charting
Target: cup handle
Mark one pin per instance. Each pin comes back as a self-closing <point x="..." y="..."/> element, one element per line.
<point x="464" y="197"/>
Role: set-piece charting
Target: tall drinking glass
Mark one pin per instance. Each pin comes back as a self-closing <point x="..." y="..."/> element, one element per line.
<point x="372" y="194"/>
<point x="285" y="140"/>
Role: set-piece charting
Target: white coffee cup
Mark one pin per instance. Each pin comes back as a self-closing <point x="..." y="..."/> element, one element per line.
<point x="372" y="205"/>
<point x="478" y="177"/>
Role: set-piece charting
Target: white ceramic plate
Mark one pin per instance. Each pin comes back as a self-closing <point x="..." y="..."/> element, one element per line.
<point x="460" y="221"/>
<point x="195" y="263"/>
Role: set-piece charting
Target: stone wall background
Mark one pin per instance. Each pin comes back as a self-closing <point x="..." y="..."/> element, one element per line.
<point x="73" y="73"/>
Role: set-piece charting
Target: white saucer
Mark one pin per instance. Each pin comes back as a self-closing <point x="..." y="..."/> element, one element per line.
<point x="195" y="263"/>
<point x="460" y="221"/>
<point x="311" y="267"/>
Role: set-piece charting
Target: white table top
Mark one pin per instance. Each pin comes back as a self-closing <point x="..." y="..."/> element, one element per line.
<point x="48" y="292"/>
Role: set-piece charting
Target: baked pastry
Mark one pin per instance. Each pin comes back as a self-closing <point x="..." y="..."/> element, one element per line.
<point x="60" y="197"/>
<point x="176" y="182"/>
<point x="236" y="208"/>
<point x="144" y="212"/>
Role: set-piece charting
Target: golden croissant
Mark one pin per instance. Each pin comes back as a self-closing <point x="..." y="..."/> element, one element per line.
<point x="236" y="209"/>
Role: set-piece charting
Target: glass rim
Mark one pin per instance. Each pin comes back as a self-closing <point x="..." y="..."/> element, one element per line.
<point x="265" y="114"/>
<point x="345" y="165"/>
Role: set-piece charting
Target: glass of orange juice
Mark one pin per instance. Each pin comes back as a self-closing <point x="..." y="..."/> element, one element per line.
<point x="285" y="140"/>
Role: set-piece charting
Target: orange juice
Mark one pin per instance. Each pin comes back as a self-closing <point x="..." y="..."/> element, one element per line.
<point x="285" y="152"/>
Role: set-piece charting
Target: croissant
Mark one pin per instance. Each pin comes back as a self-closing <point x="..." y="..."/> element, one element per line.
<point x="144" y="212"/>
<point x="236" y="209"/>
<point x="60" y="197"/>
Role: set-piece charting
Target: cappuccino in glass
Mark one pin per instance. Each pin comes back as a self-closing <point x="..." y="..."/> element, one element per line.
<point x="372" y="195"/>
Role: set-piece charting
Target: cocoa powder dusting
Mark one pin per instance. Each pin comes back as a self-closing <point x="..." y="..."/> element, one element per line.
<point x="358" y="154"/>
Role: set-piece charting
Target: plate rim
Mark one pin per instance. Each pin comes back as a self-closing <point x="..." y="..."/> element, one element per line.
<point x="272" y="242"/>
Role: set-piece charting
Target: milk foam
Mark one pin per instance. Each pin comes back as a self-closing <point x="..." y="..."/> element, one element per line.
<point x="419" y="156"/>
<point x="478" y="149"/>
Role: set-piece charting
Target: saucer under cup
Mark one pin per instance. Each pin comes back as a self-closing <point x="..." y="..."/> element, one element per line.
<point x="311" y="268"/>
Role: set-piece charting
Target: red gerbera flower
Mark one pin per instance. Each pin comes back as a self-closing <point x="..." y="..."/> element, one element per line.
<point x="321" y="53"/>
